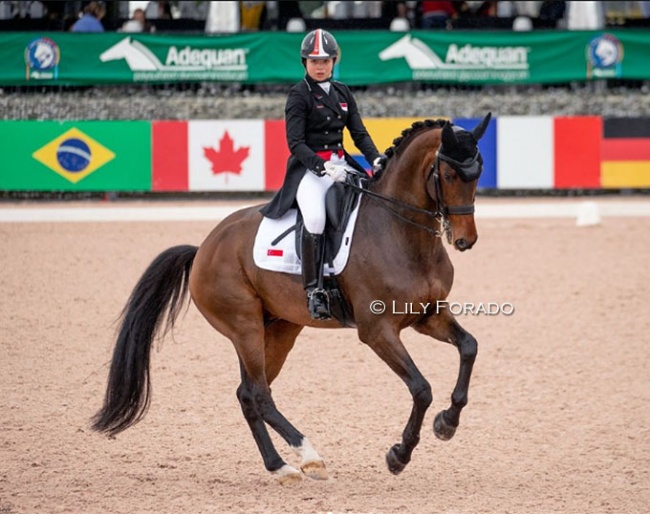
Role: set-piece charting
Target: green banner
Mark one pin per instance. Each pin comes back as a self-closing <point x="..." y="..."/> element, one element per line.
<point x="369" y="57"/>
<point x="75" y="156"/>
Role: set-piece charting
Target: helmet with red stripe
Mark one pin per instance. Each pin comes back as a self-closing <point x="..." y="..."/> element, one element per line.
<point x="319" y="44"/>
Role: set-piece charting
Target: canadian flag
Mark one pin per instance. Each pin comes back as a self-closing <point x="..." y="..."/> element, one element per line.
<point x="226" y="155"/>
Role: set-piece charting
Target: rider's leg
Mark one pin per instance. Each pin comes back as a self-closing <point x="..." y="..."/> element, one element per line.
<point x="311" y="201"/>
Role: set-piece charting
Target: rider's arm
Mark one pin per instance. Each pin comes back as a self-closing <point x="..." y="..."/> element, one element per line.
<point x="295" y="114"/>
<point x="358" y="131"/>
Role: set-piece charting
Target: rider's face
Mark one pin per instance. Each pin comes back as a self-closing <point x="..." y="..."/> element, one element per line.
<point x="320" y="69"/>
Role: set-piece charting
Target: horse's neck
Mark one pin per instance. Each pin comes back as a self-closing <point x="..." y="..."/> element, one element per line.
<point x="405" y="179"/>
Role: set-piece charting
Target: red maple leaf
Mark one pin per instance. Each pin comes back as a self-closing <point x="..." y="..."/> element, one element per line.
<point x="225" y="159"/>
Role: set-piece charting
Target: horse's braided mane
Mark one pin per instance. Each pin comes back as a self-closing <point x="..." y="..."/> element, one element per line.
<point x="416" y="128"/>
<point x="407" y="135"/>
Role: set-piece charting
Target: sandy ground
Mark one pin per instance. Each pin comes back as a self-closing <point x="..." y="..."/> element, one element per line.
<point x="558" y="419"/>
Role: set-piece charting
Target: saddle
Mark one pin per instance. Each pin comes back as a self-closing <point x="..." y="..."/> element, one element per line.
<point x="340" y="202"/>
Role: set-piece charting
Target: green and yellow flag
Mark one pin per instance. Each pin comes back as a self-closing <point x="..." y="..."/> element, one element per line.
<point x="75" y="156"/>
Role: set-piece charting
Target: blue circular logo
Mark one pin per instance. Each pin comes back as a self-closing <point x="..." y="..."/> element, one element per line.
<point x="42" y="54"/>
<point x="73" y="155"/>
<point x="605" y="51"/>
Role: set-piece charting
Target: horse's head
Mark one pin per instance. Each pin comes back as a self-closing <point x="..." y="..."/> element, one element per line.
<point x="117" y="51"/>
<point x="453" y="180"/>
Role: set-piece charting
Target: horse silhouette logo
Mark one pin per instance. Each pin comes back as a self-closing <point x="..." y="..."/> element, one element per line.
<point x="417" y="54"/>
<point x="138" y="57"/>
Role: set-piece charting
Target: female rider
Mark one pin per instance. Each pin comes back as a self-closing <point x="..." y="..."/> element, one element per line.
<point x="317" y="110"/>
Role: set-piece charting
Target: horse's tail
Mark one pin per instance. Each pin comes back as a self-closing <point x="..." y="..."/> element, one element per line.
<point x="159" y="295"/>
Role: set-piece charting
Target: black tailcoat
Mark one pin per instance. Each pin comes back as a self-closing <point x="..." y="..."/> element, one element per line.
<point x="314" y="122"/>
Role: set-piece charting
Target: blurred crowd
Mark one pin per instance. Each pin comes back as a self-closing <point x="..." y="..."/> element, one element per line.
<point x="299" y="16"/>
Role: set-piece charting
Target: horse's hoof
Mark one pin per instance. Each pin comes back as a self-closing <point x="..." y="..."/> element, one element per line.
<point x="315" y="469"/>
<point x="395" y="466"/>
<point x="443" y="431"/>
<point x="288" y="475"/>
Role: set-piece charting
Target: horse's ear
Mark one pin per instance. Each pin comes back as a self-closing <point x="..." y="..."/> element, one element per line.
<point x="449" y="139"/>
<point x="479" y="130"/>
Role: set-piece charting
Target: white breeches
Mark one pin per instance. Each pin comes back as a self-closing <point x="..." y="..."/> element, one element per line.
<point x="311" y="201"/>
<point x="311" y="197"/>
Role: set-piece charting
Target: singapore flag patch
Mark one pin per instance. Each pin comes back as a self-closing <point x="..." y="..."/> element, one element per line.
<point x="344" y="106"/>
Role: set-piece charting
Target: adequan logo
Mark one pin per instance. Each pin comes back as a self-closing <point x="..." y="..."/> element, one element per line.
<point x="73" y="155"/>
<point x="462" y="63"/>
<point x="180" y="63"/>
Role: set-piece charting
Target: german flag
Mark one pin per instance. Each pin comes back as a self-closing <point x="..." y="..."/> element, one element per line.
<point x="625" y="153"/>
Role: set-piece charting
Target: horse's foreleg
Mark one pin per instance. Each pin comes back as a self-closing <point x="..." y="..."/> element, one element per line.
<point x="444" y="327"/>
<point x="387" y="345"/>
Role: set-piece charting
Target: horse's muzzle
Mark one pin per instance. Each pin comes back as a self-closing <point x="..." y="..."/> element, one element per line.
<point x="463" y="244"/>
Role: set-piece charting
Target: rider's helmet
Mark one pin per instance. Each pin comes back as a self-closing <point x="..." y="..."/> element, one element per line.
<point x="319" y="44"/>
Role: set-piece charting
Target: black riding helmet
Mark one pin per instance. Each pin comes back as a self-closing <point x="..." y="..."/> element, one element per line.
<point x="319" y="44"/>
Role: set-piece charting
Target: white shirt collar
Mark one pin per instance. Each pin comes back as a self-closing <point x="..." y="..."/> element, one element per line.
<point x="326" y="86"/>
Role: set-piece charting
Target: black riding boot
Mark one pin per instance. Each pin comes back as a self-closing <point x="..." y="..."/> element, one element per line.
<point x="312" y="275"/>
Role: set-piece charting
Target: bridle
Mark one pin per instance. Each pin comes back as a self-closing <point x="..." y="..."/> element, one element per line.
<point x="469" y="169"/>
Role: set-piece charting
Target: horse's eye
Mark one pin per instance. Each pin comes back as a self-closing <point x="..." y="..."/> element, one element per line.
<point x="447" y="176"/>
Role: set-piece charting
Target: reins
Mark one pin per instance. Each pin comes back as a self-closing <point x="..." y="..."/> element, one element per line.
<point x="435" y="215"/>
<point x="441" y="212"/>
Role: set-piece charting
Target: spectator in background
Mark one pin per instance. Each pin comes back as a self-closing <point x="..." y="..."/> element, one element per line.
<point x="137" y="23"/>
<point x="90" y="21"/>
<point x="488" y="8"/>
<point x="552" y="11"/>
<point x="288" y="10"/>
<point x="391" y="10"/>
<point x="252" y="16"/>
<point x="159" y="11"/>
<point x="436" y="14"/>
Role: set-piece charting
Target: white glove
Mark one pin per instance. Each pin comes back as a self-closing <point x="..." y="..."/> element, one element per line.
<point x="378" y="164"/>
<point x="336" y="172"/>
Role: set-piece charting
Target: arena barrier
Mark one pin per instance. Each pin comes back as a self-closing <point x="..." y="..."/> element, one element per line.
<point x="368" y="57"/>
<point x="520" y="153"/>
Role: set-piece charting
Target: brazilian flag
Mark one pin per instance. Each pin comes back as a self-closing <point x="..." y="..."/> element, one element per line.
<point x="75" y="156"/>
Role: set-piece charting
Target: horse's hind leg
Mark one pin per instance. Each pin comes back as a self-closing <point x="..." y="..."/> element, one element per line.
<point x="443" y="326"/>
<point x="272" y="461"/>
<point x="280" y="336"/>
<point x="258" y="406"/>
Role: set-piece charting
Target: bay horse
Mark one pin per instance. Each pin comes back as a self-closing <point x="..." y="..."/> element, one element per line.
<point x="427" y="190"/>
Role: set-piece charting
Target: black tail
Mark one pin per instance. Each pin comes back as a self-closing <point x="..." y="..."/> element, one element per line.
<point x="159" y="294"/>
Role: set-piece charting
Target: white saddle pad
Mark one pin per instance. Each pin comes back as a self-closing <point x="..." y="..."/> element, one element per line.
<point x="282" y="257"/>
